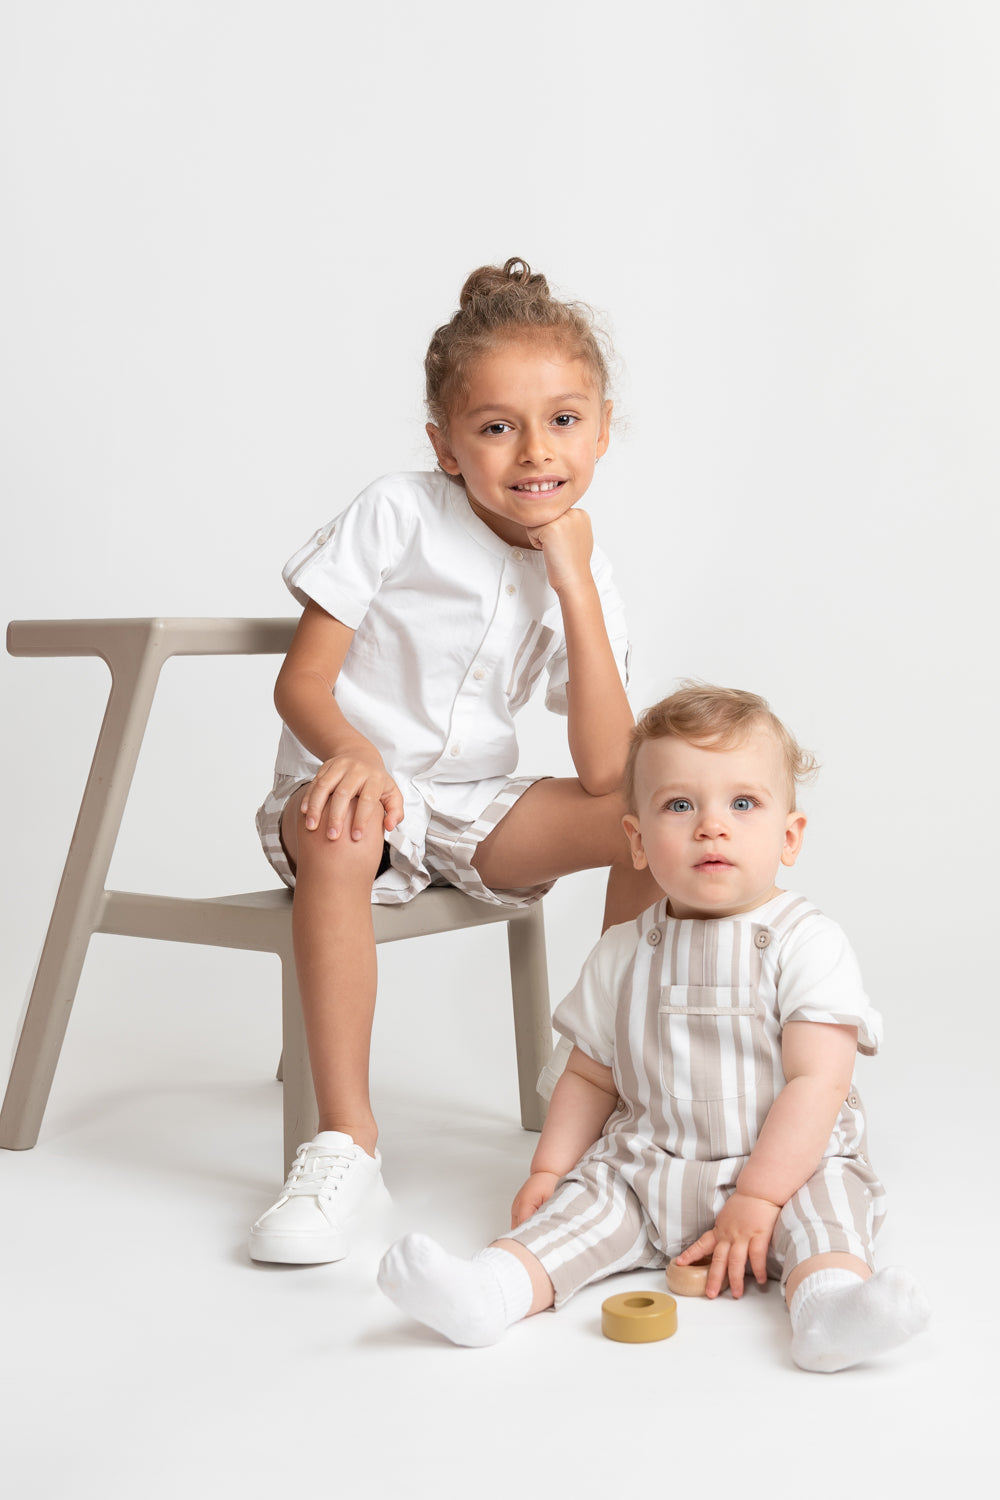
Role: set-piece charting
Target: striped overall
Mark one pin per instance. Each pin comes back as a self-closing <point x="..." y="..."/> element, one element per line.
<point x="696" y="1056"/>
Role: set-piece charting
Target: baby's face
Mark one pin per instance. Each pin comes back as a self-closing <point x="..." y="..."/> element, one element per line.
<point x="713" y="825"/>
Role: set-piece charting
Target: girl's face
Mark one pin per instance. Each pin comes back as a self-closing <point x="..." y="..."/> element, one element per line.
<point x="526" y="437"/>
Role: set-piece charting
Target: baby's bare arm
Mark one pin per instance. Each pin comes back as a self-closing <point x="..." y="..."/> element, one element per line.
<point x="352" y="782"/>
<point x="581" y="1104"/>
<point x="818" y="1063"/>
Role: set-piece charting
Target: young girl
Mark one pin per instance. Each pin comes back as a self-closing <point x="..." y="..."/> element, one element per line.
<point x="431" y="607"/>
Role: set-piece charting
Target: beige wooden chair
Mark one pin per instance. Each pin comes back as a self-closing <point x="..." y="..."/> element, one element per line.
<point x="135" y="650"/>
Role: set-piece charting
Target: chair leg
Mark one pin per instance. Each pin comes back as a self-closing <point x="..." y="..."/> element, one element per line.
<point x="301" y="1116"/>
<point x="529" y="984"/>
<point x="134" y="659"/>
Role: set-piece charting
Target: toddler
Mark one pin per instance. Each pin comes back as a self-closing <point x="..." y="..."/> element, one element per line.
<point x="433" y="607"/>
<point x="707" y="1107"/>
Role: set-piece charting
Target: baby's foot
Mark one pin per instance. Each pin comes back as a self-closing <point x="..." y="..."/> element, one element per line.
<point x="836" y="1323"/>
<point x="472" y="1302"/>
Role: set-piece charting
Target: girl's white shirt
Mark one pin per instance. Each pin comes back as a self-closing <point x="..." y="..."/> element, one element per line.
<point x="453" y="630"/>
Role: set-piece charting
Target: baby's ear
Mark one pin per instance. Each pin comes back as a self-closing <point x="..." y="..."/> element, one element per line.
<point x="630" y="823"/>
<point x="795" y="828"/>
<point x="442" y="449"/>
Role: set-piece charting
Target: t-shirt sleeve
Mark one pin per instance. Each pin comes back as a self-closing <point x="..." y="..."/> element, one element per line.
<point x="614" y="619"/>
<point x="343" y="565"/>
<point x="820" y="980"/>
<point x="586" y="1018"/>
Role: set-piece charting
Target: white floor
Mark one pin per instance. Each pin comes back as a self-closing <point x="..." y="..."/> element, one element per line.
<point x="144" y="1355"/>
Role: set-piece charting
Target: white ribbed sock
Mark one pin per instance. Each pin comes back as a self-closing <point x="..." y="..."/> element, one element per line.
<point x="471" y="1302"/>
<point x="839" y="1320"/>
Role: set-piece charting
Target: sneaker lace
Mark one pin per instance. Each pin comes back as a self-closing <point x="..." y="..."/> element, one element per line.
<point x="317" y="1169"/>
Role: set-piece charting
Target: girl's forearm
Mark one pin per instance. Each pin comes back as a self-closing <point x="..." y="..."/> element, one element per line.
<point x="305" y="701"/>
<point x="600" y="717"/>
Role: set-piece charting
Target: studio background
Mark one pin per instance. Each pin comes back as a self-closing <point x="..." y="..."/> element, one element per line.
<point x="230" y="230"/>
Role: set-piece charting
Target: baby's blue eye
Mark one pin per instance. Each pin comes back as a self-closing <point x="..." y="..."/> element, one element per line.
<point x="742" y="804"/>
<point x="679" y="804"/>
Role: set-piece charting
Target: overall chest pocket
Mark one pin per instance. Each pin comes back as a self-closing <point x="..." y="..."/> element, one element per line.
<point x="711" y="1041"/>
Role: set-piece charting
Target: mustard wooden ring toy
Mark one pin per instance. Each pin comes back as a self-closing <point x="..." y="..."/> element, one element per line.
<point x="690" y="1281"/>
<point x="639" y="1317"/>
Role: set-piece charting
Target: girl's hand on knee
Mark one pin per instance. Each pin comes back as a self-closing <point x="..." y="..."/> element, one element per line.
<point x="347" y="790"/>
<point x="741" y="1234"/>
<point x="536" y="1191"/>
<point x="566" y="545"/>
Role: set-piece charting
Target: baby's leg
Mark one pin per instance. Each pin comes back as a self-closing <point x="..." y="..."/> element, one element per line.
<point x="841" y="1313"/>
<point x="556" y="828"/>
<point x="472" y="1302"/>
<point x="336" y="966"/>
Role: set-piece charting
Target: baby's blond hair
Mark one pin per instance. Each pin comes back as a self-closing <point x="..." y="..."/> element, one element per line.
<point x="720" y="718"/>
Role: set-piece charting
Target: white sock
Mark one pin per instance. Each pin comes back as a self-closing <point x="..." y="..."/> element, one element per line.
<point x="839" y="1320"/>
<point x="471" y="1302"/>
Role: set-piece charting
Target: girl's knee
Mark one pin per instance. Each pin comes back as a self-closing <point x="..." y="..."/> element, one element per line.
<point x="344" y="861"/>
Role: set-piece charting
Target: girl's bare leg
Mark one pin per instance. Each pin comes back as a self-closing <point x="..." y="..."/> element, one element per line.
<point x="336" y="965"/>
<point x="556" y="828"/>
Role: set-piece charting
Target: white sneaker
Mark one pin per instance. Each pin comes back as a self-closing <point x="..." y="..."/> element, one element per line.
<point x="330" y="1181"/>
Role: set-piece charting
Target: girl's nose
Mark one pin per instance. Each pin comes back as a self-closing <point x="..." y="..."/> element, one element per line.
<point x="534" y="447"/>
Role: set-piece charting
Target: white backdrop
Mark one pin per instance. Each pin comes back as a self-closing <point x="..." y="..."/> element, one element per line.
<point x="231" y="227"/>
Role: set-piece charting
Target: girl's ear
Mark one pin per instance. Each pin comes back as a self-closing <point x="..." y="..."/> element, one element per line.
<point x="795" y="827"/>
<point x="604" y="436"/>
<point x="445" y="457"/>
<point x="631" y="827"/>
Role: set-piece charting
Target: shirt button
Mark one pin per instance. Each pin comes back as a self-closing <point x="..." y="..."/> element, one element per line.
<point x="511" y="589"/>
<point x="518" y="555"/>
<point x="479" y="674"/>
<point x="762" y="939"/>
<point x="322" y="538"/>
<point x="852" y="1100"/>
<point x="455" y="750"/>
<point x="654" y="937"/>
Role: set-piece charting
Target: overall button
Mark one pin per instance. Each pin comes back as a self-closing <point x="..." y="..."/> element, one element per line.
<point x="654" y="937"/>
<point x="762" y="939"/>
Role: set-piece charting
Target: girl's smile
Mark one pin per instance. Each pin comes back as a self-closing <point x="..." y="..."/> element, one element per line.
<point x="527" y="437"/>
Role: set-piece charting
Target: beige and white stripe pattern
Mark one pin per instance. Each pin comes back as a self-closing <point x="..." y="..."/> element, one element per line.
<point x="697" y="1060"/>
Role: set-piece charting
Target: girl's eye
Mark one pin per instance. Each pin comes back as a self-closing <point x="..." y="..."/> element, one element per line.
<point x="566" y="419"/>
<point x="679" y="804"/>
<point x="497" y="429"/>
<point x="742" y="804"/>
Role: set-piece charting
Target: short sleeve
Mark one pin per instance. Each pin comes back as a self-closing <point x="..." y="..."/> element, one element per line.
<point x="343" y="565"/>
<point x="820" y="980"/>
<point x="586" y="1018"/>
<point x="614" y="618"/>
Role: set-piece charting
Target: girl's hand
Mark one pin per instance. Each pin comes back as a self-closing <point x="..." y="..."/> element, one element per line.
<point x="536" y="1191"/>
<point x="742" y="1232"/>
<point x="345" y="793"/>
<point x="566" y="545"/>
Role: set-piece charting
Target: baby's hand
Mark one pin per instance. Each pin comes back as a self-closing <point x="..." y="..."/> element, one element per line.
<point x="742" y="1232"/>
<point x="566" y="545"/>
<point x="347" y="790"/>
<point x="536" y="1191"/>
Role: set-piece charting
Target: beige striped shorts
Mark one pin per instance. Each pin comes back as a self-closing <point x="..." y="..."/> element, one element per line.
<point x="445" y="858"/>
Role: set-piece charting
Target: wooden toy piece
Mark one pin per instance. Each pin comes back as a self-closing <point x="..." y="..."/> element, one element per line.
<point x="639" y="1317"/>
<point x="690" y="1281"/>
